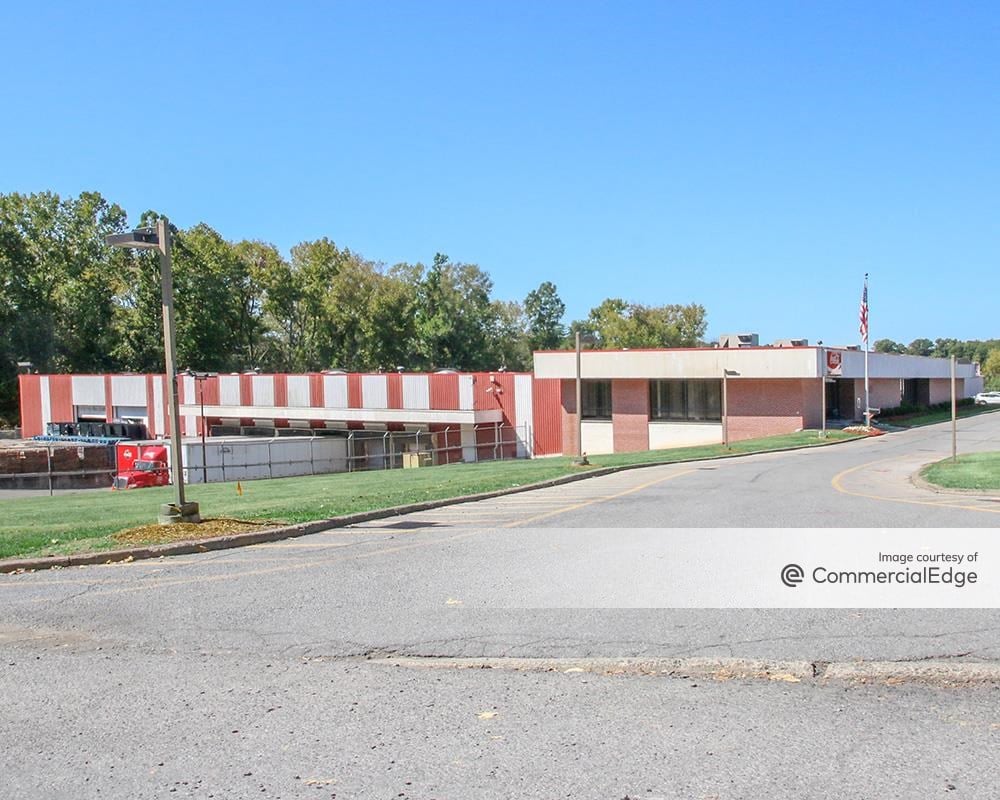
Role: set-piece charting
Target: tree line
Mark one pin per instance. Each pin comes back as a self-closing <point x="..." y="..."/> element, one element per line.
<point x="985" y="352"/>
<point x="70" y="303"/>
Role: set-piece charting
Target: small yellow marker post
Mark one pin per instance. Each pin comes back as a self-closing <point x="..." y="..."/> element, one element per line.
<point x="239" y="488"/>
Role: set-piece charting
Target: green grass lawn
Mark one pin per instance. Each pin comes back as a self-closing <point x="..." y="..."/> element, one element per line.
<point x="977" y="471"/>
<point x="85" y="521"/>
<point x="932" y="417"/>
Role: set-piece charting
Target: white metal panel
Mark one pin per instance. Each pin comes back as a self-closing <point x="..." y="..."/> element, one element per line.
<point x="188" y="388"/>
<point x="524" y="414"/>
<point x="88" y="390"/>
<point x="158" y="420"/>
<point x="229" y="390"/>
<point x="128" y="390"/>
<point x="263" y="390"/>
<point x="416" y="391"/>
<point x="465" y="395"/>
<point x="191" y="425"/>
<point x="335" y="391"/>
<point x="374" y="391"/>
<point x="46" y="402"/>
<point x="468" y="443"/>
<point x="298" y="391"/>
<point x="366" y="415"/>
<point x="663" y="435"/>
<point x="598" y="437"/>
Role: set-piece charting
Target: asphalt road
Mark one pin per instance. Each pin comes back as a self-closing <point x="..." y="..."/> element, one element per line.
<point x="267" y="672"/>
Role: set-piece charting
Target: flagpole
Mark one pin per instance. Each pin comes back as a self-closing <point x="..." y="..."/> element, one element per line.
<point x="868" y="404"/>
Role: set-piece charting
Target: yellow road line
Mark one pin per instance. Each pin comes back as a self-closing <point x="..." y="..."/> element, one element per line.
<point x="835" y="482"/>
<point x="595" y="500"/>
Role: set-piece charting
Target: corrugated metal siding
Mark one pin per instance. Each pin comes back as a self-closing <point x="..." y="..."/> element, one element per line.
<point x="159" y="422"/>
<point x="262" y="390"/>
<point x="394" y="390"/>
<point x="316" y="398"/>
<point x="297" y="390"/>
<point x="150" y="416"/>
<point x="374" y="393"/>
<point x="129" y="390"/>
<point x="30" y="391"/>
<point x="87" y="390"/>
<point x="416" y="392"/>
<point x="336" y="389"/>
<point x="443" y="391"/>
<point x="280" y="391"/>
<point x="61" y="398"/>
<point x="229" y="390"/>
<point x="466" y="392"/>
<point x="547" y="416"/>
<point x="109" y="413"/>
<point x="355" y="396"/>
<point x="523" y="401"/>
<point x="246" y="390"/>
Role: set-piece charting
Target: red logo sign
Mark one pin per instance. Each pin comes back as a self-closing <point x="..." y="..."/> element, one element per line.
<point x="833" y="362"/>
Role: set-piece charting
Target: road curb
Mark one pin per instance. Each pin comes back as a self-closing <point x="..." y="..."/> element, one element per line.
<point x="316" y="526"/>
<point x="938" y="673"/>
<point x="920" y="482"/>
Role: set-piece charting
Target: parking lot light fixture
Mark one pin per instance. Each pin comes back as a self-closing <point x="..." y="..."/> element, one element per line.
<point x="159" y="238"/>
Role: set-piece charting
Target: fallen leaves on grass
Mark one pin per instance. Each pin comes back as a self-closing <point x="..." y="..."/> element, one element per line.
<point x="189" y="531"/>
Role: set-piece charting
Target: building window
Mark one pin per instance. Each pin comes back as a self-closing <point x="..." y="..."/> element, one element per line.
<point x="596" y="399"/>
<point x="685" y="401"/>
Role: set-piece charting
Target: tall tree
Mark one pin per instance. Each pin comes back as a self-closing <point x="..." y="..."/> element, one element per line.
<point x="888" y="346"/>
<point x="618" y="324"/>
<point x="544" y="312"/>
<point x="453" y="303"/>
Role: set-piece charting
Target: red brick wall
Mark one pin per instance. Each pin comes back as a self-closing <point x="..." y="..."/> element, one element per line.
<point x="770" y="407"/>
<point x="630" y="415"/>
<point x="882" y="392"/>
<point x="940" y="389"/>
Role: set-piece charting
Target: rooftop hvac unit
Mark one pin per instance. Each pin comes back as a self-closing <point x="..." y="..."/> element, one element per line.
<point x="739" y="340"/>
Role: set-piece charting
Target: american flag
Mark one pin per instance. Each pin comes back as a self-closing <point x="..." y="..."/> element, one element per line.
<point x="863" y="313"/>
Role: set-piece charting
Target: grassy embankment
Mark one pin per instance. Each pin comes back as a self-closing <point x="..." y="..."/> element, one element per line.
<point x="932" y="417"/>
<point x="88" y="521"/>
<point x="973" y="471"/>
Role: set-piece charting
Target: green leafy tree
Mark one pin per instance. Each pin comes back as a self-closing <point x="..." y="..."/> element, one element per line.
<point x="544" y="312"/>
<point x="888" y="346"/>
<point x="920" y="347"/>
<point x="618" y="324"/>
<point x="991" y="368"/>
<point x="510" y="336"/>
<point x="452" y="315"/>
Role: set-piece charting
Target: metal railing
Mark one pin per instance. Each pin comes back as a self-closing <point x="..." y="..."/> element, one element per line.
<point x="349" y="450"/>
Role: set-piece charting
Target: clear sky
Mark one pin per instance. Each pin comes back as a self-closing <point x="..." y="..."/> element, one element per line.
<point x="757" y="158"/>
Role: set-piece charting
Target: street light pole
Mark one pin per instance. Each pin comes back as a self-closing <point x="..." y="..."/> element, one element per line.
<point x="579" y="403"/>
<point x="147" y="239"/>
<point x="169" y="347"/>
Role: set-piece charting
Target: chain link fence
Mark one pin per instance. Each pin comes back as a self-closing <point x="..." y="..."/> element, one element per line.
<point x="53" y="466"/>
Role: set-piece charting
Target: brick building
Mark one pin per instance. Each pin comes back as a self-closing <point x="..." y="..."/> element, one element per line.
<point x="651" y="399"/>
<point x="632" y="399"/>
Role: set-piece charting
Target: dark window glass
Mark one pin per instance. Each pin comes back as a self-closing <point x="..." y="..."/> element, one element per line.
<point x="596" y="399"/>
<point x="685" y="401"/>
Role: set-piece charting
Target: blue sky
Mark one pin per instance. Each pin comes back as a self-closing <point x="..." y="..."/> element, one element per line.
<point x="757" y="158"/>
